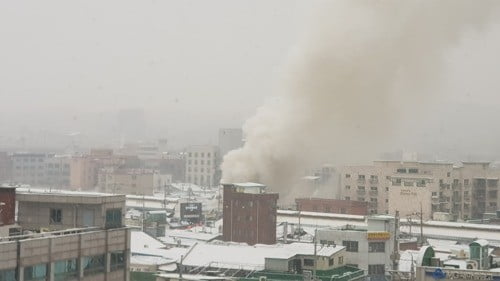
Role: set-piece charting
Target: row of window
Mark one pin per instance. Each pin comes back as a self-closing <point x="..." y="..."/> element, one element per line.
<point x="202" y="154"/>
<point x="68" y="269"/>
<point x="195" y="169"/>
<point x="353" y="246"/>
<point x="202" y="162"/>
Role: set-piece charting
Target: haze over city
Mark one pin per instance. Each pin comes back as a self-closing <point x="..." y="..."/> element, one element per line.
<point x="276" y="140"/>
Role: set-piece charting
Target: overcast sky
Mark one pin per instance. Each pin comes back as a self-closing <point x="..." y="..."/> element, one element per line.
<point x="193" y="66"/>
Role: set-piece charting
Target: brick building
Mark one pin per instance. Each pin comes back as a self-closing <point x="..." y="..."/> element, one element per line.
<point x="7" y="205"/>
<point x="332" y="206"/>
<point x="249" y="214"/>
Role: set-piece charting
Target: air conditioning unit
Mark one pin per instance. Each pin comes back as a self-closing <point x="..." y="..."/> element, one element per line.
<point x="262" y="278"/>
<point x="472" y="264"/>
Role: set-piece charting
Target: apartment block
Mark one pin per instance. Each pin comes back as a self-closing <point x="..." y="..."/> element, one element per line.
<point x="249" y="214"/>
<point x="79" y="254"/>
<point x="202" y="167"/>
<point x="128" y="181"/>
<point x="465" y="190"/>
<point x="332" y="206"/>
<point x="29" y="168"/>
<point x="174" y="165"/>
<point x="57" y="171"/>
<point x="57" y="210"/>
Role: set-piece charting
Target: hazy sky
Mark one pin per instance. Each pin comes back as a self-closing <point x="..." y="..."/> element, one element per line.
<point x="193" y="66"/>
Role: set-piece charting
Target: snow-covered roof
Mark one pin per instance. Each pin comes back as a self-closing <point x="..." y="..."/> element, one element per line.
<point x="148" y="260"/>
<point x="249" y="184"/>
<point x="190" y="277"/>
<point x="140" y="240"/>
<point x="187" y="234"/>
<point x="242" y="256"/>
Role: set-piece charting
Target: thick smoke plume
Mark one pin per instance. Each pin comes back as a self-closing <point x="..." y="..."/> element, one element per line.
<point x="361" y="66"/>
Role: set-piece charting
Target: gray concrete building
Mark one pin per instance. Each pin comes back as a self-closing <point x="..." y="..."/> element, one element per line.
<point x="55" y="210"/>
<point x="79" y="254"/>
<point x="367" y="247"/>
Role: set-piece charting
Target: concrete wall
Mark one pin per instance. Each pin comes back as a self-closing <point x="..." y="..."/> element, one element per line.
<point x="48" y="250"/>
<point x="36" y="215"/>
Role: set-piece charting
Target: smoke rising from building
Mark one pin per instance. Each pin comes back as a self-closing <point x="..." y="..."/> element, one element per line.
<point x="362" y="67"/>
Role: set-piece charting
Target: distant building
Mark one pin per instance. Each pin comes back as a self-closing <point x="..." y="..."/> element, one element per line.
<point x="230" y="139"/>
<point x="59" y="210"/>
<point x="85" y="168"/>
<point x="466" y="191"/>
<point x="174" y="165"/>
<point x="5" y="167"/>
<point x="249" y="214"/>
<point x="128" y="181"/>
<point x="202" y="167"/>
<point x="332" y="206"/>
<point x="57" y="171"/>
<point x="29" y="168"/>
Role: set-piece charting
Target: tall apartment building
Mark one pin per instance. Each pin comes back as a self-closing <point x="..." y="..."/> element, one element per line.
<point x="249" y="214"/>
<point x="230" y="139"/>
<point x="128" y="181"/>
<point x="466" y="191"/>
<point x="57" y="171"/>
<point x="202" y="167"/>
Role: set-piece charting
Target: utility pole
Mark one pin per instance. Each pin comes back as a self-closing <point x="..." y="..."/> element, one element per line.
<point x="300" y="232"/>
<point x="315" y="253"/>
<point x="395" y="251"/>
<point x="421" y="225"/>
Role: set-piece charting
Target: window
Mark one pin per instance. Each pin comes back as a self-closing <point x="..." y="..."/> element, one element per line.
<point x="373" y="188"/>
<point x="448" y="174"/>
<point x="413" y="171"/>
<point x="401" y="170"/>
<point x="65" y="270"/>
<point x="434" y="193"/>
<point x="347" y="187"/>
<point x="347" y="176"/>
<point x="376" y="269"/>
<point x="386" y="200"/>
<point x="113" y="218"/>
<point x="55" y="216"/>
<point x="361" y="177"/>
<point x="308" y="262"/>
<point x="202" y="154"/>
<point x="386" y="188"/>
<point x="376" y="247"/>
<point x="350" y="246"/>
<point x="208" y="154"/>
<point x="341" y="260"/>
<point x="361" y="188"/>
<point x="347" y="198"/>
<point x="36" y="272"/>
<point x="93" y="264"/>
<point x="117" y="260"/>
<point x="466" y="182"/>
<point x="8" y="275"/>
<point x="374" y="200"/>
<point x="330" y="262"/>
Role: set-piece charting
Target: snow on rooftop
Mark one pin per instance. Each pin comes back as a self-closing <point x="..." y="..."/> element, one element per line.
<point x="52" y="191"/>
<point x="188" y="234"/>
<point x="249" y="184"/>
<point x="148" y="260"/>
<point x="242" y="256"/>
<point x="140" y="240"/>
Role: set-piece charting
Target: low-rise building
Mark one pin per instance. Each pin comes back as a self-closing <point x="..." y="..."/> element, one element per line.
<point x="55" y="210"/>
<point x="202" y="165"/>
<point x="369" y="247"/>
<point x="249" y="213"/>
<point x="79" y="254"/>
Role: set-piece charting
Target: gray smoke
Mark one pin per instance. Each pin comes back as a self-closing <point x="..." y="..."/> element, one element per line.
<point x="360" y="67"/>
